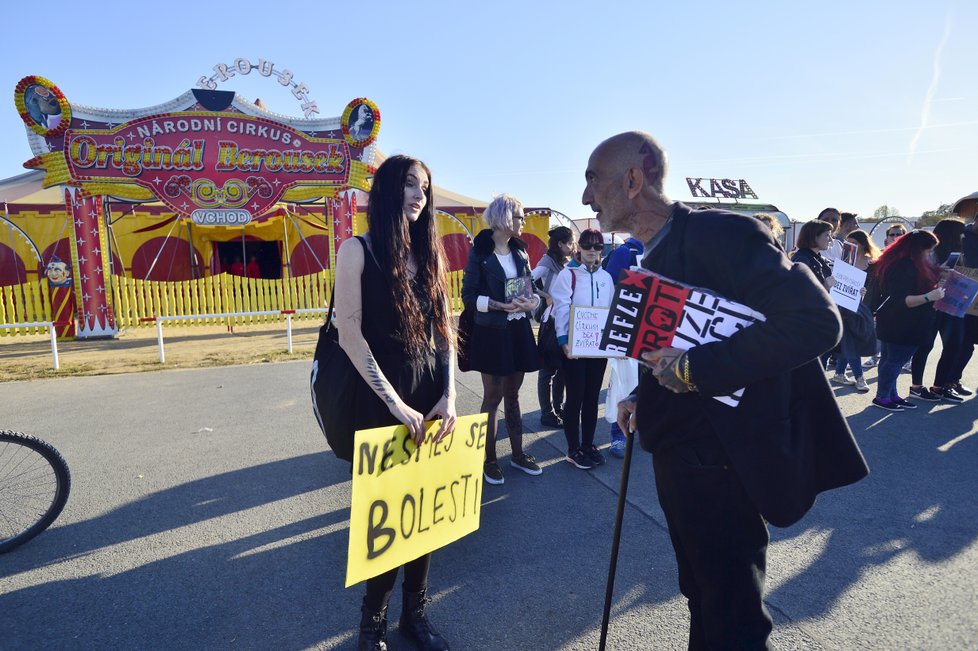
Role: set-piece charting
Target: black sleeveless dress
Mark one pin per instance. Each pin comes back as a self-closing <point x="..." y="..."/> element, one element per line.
<point x="419" y="383"/>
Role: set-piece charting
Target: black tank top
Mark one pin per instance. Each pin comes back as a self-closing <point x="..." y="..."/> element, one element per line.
<point x="379" y="325"/>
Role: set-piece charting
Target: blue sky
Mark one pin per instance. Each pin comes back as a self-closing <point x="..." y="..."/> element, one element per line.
<point x="850" y="104"/>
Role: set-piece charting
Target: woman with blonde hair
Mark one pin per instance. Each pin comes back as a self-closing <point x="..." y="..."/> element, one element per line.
<point x="498" y="288"/>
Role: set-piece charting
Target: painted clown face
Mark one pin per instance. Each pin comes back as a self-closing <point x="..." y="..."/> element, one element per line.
<point x="57" y="273"/>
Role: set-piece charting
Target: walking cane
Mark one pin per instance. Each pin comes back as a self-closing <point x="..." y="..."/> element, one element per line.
<point x="616" y="538"/>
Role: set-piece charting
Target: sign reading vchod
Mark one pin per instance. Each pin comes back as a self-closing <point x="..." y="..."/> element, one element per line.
<point x="410" y="500"/>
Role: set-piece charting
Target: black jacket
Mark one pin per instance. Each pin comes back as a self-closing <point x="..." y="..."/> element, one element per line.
<point x="815" y="261"/>
<point x="895" y="322"/>
<point x="484" y="276"/>
<point x="787" y="440"/>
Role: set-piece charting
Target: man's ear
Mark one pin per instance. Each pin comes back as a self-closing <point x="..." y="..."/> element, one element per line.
<point x="633" y="182"/>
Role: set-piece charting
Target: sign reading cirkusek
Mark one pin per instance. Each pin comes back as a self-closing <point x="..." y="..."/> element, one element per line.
<point x="217" y="168"/>
<point x="208" y="155"/>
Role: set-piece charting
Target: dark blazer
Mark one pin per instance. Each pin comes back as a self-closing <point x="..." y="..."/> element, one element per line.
<point x="787" y="440"/>
<point x="815" y="261"/>
<point x="484" y="276"/>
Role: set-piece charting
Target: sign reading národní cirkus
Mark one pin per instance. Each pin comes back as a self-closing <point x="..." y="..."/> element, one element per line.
<point x="205" y="162"/>
<point x="207" y="155"/>
<point x="210" y="156"/>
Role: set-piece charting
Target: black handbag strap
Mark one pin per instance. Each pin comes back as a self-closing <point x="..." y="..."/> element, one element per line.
<point x="329" y="314"/>
<point x="332" y="291"/>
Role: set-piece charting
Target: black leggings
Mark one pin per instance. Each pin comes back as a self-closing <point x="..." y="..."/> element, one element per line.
<point x="505" y="389"/>
<point x="947" y="372"/>
<point x="379" y="588"/>
<point x="582" y="379"/>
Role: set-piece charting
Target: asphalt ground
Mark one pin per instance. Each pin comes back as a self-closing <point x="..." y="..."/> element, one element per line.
<point x="207" y="513"/>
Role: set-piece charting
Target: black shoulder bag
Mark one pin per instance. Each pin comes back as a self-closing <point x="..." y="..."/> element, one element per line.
<point x="333" y="382"/>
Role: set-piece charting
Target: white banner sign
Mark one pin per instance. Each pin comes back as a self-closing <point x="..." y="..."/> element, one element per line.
<point x="586" y="327"/>
<point x="848" y="282"/>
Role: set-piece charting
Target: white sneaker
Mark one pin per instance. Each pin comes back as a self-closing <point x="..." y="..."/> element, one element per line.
<point x="843" y="380"/>
<point x="871" y="362"/>
<point x="861" y="385"/>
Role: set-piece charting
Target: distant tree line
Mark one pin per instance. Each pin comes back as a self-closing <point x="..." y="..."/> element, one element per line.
<point x="928" y="218"/>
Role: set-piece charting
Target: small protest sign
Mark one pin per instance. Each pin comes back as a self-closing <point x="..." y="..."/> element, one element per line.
<point x="959" y="294"/>
<point x="849" y="251"/>
<point x="586" y="326"/>
<point x="650" y="312"/>
<point x="848" y="281"/>
<point x="972" y="273"/>
<point x="410" y="500"/>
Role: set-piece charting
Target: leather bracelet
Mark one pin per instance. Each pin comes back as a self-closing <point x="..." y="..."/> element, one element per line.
<point x="927" y="299"/>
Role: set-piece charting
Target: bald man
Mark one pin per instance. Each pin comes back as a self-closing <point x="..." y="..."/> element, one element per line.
<point x="722" y="473"/>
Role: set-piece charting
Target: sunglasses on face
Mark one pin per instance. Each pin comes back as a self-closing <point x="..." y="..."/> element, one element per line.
<point x="592" y="247"/>
<point x="894" y="234"/>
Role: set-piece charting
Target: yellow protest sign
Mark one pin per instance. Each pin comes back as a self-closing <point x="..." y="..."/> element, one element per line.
<point x="410" y="500"/>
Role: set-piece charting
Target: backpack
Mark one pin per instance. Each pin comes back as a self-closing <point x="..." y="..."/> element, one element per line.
<point x="632" y="248"/>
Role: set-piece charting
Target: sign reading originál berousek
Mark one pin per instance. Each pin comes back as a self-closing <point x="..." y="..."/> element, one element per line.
<point x="208" y="161"/>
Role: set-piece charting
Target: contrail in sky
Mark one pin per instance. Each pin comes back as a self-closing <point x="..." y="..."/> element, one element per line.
<point x="931" y="91"/>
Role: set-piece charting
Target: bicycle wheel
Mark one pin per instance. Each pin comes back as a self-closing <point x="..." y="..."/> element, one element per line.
<point x="34" y="486"/>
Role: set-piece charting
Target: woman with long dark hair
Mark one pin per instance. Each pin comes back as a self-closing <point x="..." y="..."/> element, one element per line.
<point x="908" y="285"/>
<point x="393" y="322"/>
<point x="497" y="286"/>
<point x="550" y="381"/>
<point x="951" y="328"/>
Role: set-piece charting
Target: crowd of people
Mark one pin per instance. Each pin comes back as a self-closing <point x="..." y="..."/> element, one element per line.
<point x="718" y="488"/>
<point x="903" y="282"/>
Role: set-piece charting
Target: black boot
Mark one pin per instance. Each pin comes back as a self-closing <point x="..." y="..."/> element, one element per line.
<point x="373" y="629"/>
<point x="415" y="625"/>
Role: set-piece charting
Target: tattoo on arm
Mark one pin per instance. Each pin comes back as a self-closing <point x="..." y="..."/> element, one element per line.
<point x="496" y="305"/>
<point x="378" y="381"/>
<point x="446" y="355"/>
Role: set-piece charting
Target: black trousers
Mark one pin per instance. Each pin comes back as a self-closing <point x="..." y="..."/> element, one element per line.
<point x="720" y="542"/>
<point x="550" y="390"/>
<point x="582" y="381"/>
<point x="969" y="341"/>
<point x="951" y="329"/>
<point x="379" y="588"/>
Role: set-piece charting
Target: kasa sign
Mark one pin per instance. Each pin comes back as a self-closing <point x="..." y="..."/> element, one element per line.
<point x="720" y="188"/>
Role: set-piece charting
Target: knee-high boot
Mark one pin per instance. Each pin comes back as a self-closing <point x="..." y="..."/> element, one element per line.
<point x="415" y="626"/>
<point x="373" y="629"/>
